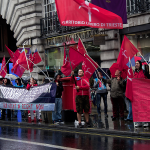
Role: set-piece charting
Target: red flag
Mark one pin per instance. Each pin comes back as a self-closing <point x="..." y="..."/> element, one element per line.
<point x="20" y="65"/>
<point x="36" y="57"/>
<point x="3" y="70"/>
<point x="115" y="67"/>
<point x="83" y="13"/>
<point x="81" y="48"/>
<point x="14" y="56"/>
<point x="129" y="92"/>
<point x="88" y="68"/>
<point x="30" y="62"/>
<point x="75" y="58"/>
<point x="127" y="50"/>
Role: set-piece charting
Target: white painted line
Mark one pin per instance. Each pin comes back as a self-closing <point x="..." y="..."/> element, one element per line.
<point x="40" y="144"/>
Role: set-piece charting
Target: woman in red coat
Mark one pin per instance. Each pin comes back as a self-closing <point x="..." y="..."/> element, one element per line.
<point x="29" y="85"/>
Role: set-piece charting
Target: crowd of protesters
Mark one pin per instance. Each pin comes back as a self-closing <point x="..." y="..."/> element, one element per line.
<point x="117" y="93"/>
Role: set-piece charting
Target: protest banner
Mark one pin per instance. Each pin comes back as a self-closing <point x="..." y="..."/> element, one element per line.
<point x="37" y="98"/>
<point x="141" y="100"/>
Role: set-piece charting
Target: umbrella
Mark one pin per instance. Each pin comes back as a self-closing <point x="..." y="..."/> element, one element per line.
<point x="48" y="72"/>
<point x="11" y="76"/>
<point x="1" y="77"/>
<point x="115" y="67"/>
<point x="26" y="78"/>
<point x="146" y="57"/>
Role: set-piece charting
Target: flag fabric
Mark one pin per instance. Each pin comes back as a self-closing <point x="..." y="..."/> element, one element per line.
<point x="128" y="93"/>
<point x="141" y="100"/>
<point x="36" y="57"/>
<point x="116" y="6"/>
<point x="75" y="58"/>
<point x="127" y="50"/>
<point x="80" y="47"/>
<point x="115" y="67"/>
<point x="83" y="13"/>
<point x="88" y="68"/>
<point x="20" y="65"/>
<point x="13" y="56"/>
<point x="3" y="70"/>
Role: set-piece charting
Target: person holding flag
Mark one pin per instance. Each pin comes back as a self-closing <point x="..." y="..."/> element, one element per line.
<point x="82" y="96"/>
<point x="101" y="92"/>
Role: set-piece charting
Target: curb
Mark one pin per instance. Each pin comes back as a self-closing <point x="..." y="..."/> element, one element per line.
<point x="81" y="130"/>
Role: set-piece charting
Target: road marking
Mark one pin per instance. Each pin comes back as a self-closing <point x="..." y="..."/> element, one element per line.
<point x="75" y="132"/>
<point x="39" y="144"/>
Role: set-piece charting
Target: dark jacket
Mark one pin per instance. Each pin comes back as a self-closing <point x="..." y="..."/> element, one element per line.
<point x="59" y="90"/>
<point x="117" y="87"/>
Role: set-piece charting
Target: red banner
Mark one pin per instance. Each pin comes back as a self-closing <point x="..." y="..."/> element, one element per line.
<point x="141" y="100"/>
<point x="83" y="13"/>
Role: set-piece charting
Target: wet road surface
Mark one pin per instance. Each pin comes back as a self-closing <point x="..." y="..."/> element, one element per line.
<point x="25" y="138"/>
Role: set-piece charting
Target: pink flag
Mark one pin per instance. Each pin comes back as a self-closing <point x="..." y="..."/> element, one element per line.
<point x="36" y="57"/>
<point x="88" y="68"/>
<point x="3" y="70"/>
<point x="127" y="50"/>
<point x="81" y="48"/>
<point x="83" y="13"/>
<point x="20" y="65"/>
<point x="75" y="58"/>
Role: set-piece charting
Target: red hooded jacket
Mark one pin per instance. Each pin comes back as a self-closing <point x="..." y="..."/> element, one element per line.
<point x="139" y="74"/>
<point x="83" y="84"/>
<point x="29" y="86"/>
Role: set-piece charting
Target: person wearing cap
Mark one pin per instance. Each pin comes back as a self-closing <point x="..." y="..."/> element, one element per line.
<point x="30" y="85"/>
<point x="56" y="115"/>
<point x="6" y="82"/>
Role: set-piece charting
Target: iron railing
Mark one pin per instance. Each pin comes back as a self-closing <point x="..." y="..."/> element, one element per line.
<point x="137" y="6"/>
<point x="51" y="26"/>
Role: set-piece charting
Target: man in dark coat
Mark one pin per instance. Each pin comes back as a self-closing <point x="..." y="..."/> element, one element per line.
<point x="56" y="115"/>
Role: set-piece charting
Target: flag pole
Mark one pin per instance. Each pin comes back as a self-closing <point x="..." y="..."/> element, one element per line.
<point x="27" y="61"/>
<point x="93" y="60"/>
<point x="71" y="68"/>
<point x="144" y="58"/>
<point x="39" y="68"/>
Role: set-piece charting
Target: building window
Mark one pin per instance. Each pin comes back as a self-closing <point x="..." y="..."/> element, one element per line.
<point x="137" y="6"/>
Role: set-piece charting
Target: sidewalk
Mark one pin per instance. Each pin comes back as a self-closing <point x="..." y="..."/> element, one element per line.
<point x="100" y="125"/>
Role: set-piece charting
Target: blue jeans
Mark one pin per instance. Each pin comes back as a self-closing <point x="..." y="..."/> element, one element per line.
<point x="98" y="98"/>
<point x="56" y="115"/>
<point x="130" y="111"/>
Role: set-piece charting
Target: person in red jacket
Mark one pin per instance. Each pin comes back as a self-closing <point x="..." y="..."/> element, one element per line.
<point x="29" y="85"/>
<point x="82" y="96"/>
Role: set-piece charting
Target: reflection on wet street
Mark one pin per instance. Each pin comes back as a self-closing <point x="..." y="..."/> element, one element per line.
<point x="36" y="139"/>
